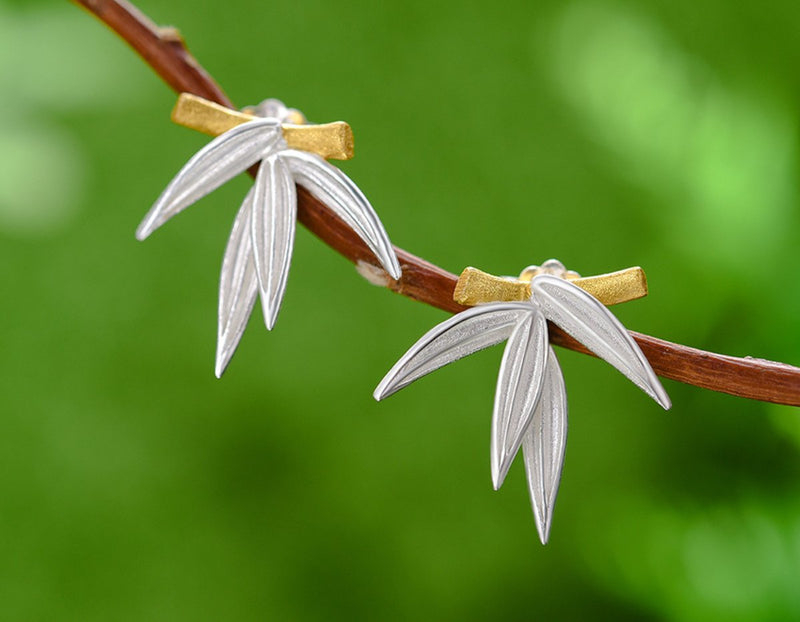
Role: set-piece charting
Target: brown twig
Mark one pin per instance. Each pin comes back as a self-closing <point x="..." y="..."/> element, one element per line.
<point x="164" y="50"/>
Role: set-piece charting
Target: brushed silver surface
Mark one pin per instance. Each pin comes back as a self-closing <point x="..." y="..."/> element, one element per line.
<point x="519" y="386"/>
<point x="273" y="223"/>
<point x="337" y="191"/>
<point x="225" y="157"/>
<point x="544" y="444"/>
<point x="461" y="335"/>
<point x="586" y="319"/>
<point x="238" y="286"/>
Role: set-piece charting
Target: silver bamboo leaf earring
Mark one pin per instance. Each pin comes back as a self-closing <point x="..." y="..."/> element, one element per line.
<point x="530" y="405"/>
<point x="259" y="250"/>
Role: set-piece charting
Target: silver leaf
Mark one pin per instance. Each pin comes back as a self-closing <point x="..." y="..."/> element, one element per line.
<point x="544" y="445"/>
<point x="467" y="332"/>
<point x="238" y="286"/>
<point x="519" y="386"/>
<point x="273" y="224"/>
<point x="223" y="158"/>
<point x="587" y="320"/>
<point x="337" y="190"/>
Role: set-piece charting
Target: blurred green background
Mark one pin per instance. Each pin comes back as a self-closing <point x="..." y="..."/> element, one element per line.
<point x="136" y="486"/>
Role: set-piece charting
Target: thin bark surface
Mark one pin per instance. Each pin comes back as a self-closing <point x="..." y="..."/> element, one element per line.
<point x="166" y="53"/>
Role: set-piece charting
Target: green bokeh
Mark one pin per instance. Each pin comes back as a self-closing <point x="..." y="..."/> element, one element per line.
<point x="136" y="486"/>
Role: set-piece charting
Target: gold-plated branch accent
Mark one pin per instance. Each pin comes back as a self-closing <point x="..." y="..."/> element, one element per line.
<point x="475" y="287"/>
<point x="332" y="141"/>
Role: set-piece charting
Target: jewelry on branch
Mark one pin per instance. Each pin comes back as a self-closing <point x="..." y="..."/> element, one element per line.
<point x="259" y="249"/>
<point x="530" y="405"/>
<point x="165" y="51"/>
<point x="530" y="409"/>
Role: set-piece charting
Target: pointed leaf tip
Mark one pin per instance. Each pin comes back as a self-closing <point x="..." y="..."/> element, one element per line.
<point x="223" y="158"/>
<point x="340" y="193"/>
<point x="519" y="386"/>
<point x="378" y="393"/>
<point x="238" y="286"/>
<point x="586" y="319"/>
<point x="142" y="233"/>
<point x="455" y="338"/>
<point x="544" y="445"/>
<point x="274" y="214"/>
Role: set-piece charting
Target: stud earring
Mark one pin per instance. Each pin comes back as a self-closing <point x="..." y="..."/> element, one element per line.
<point x="259" y="250"/>
<point x="530" y="405"/>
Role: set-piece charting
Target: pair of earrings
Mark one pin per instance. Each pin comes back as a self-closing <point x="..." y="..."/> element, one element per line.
<point x="530" y="406"/>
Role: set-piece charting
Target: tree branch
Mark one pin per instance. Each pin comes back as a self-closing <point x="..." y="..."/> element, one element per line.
<point x="164" y="50"/>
